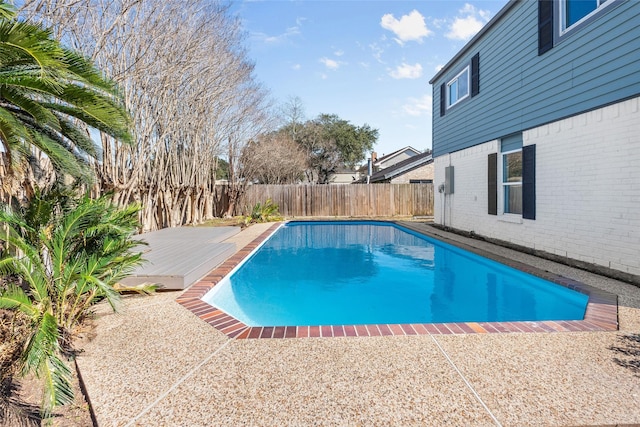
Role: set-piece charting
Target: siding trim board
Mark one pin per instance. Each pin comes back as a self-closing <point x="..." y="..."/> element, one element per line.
<point x="498" y="133"/>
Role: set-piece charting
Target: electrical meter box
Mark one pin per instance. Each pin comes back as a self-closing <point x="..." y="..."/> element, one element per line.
<point x="448" y="180"/>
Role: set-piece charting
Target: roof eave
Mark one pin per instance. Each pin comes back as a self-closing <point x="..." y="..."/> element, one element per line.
<point x="475" y="38"/>
<point x="410" y="166"/>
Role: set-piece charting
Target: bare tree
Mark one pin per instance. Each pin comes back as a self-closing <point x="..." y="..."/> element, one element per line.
<point x="293" y="115"/>
<point x="190" y="88"/>
<point x="274" y="159"/>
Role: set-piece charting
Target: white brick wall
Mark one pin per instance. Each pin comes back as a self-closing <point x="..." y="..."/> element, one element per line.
<point x="587" y="189"/>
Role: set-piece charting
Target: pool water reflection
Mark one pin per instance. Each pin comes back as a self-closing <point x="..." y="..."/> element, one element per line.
<point x="366" y="272"/>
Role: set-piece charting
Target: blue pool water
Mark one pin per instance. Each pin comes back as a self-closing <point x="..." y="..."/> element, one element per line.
<point x="350" y="273"/>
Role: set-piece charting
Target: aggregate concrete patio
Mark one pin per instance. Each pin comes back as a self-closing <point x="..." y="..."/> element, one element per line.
<point x="156" y="363"/>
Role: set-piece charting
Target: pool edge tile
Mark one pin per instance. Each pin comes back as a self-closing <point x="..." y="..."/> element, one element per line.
<point x="601" y="313"/>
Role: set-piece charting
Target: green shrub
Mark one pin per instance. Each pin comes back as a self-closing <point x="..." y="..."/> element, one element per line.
<point x="65" y="255"/>
<point x="265" y="212"/>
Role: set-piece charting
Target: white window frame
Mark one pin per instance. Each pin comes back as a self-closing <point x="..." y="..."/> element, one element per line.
<point x="455" y="79"/>
<point x="601" y="5"/>
<point x="504" y="184"/>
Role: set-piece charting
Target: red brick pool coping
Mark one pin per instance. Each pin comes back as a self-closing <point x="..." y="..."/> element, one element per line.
<point x="601" y="313"/>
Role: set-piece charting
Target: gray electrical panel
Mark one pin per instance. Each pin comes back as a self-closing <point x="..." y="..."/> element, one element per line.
<point x="448" y="180"/>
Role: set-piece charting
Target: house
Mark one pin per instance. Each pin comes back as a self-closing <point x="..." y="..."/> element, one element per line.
<point x="536" y="132"/>
<point x="415" y="169"/>
<point x="345" y="176"/>
<point x="393" y="158"/>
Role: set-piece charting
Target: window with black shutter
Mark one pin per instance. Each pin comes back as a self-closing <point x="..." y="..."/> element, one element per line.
<point x="492" y="181"/>
<point x="545" y="26"/>
<point x="475" y="74"/>
<point x="529" y="182"/>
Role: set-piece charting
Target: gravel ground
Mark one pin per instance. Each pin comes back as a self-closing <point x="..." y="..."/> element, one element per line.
<point x="156" y="364"/>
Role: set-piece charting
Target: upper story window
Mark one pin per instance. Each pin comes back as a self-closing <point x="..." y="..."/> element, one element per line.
<point x="458" y="88"/>
<point x="560" y="19"/>
<point x="573" y="12"/>
<point x="466" y="84"/>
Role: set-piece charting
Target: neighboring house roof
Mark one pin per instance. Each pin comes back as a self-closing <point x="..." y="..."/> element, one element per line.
<point x="344" y="176"/>
<point x="345" y="171"/>
<point x="390" y="156"/>
<point x="402" y="167"/>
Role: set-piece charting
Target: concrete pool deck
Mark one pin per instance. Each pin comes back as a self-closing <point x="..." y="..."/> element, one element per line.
<point x="156" y="363"/>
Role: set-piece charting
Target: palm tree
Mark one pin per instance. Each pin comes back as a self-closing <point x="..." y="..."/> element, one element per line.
<point x="49" y="95"/>
<point x="72" y="255"/>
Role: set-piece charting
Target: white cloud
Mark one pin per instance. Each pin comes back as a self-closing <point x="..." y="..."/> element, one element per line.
<point x="407" y="71"/>
<point x="407" y="28"/>
<point x="419" y="106"/>
<point x="469" y="21"/>
<point x="439" y="67"/>
<point x="281" y="38"/>
<point x="377" y="52"/>
<point x="338" y="52"/>
<point x="296" y="67"/>
<point x="330" y="63"/>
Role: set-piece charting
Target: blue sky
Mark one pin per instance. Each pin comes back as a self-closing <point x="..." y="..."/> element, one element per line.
<point x="366" y="61"/>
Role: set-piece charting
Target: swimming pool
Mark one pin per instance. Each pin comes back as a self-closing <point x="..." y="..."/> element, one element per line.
<point x="363" y="272"/>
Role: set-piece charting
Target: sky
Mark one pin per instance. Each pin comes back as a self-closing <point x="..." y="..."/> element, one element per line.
<point x="367" y="61"/>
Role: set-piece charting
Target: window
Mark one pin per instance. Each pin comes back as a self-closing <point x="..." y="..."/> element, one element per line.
<point x="511" y="149"/>
<point x="575" y="10"/>
<point x="511" y="177"/>
<point x="559" y="19"/>
<point x="458" y="88"/>
<point x="512" y="181"/>
<point x="466" y="84"/>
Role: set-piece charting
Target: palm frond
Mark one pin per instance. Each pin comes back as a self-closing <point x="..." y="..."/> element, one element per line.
<point x="97" y="112"/>
<point x="142" y="288"/>
<point x="88" y="74"/>
<point x="57" y="384"/>
<point x="61" y="157"/>
<point x="42" y="343"/>
<point x="20" y="98"/>
<point x="45" y="88"/>
<point x="79" y="138"/>
<point x="12" y="131"/>
<point x="15" y="298"/>
<point x="7" y="11"/>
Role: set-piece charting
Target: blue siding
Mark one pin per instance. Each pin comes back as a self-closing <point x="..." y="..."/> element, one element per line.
<point x="598" y="65"/>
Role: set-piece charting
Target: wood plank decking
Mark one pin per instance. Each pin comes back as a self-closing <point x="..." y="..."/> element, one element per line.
<point x="177" y="257"/>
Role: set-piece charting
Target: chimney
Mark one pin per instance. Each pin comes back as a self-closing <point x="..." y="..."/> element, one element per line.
<point x="374" y="156"/>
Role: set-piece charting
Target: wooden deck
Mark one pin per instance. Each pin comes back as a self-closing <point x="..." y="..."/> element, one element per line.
<point x="177" y="257"/>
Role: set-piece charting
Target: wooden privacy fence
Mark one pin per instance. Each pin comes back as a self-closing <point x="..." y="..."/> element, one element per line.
<point x="358" y="200"/>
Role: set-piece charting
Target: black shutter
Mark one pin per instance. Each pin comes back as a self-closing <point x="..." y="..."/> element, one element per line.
<point x="545" y="26"/>
<point x="475" y="74"/>
<point x="529" y="182"/>
<point x="443" y="99"/>
<point x="492" y="180"/>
